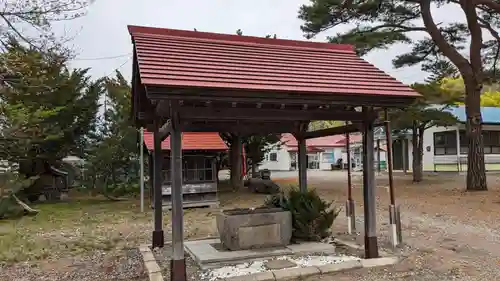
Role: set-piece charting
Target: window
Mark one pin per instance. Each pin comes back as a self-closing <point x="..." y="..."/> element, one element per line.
<point x="328" y="157"/>
<point x="464" y="144"/>
<point x="491" y="140"/>
<point x="195" y="168"/>
<point x="445" y="143"/>
<point x="273" y="156"/>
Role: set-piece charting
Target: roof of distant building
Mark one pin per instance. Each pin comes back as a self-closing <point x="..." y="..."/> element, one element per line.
<point x="491" y="115"/>
<point x="191" y="141"/>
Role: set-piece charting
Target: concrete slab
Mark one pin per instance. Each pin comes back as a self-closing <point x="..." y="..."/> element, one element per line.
<point x="148" y="256"/>
<point x="293" y="273"/>
<point x="312" y="247"/>
<point x="155" y="276"/>
<point x="379" y="261"/>
<point x="328" y="268"/>
<point x="264" y="276"/>
<point x="279" y="264"/>
<point x="204" y="253"/>
<point x="207" y="255"/>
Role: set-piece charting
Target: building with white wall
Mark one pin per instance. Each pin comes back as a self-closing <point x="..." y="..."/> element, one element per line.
<point x="445" y="148"/>
<point x="321" y="153"/>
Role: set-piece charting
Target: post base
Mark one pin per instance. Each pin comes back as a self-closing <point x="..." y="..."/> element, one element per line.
<point x="158" y="239"/>
<point x="371" y="247"/>
<point x="178" y="270"/>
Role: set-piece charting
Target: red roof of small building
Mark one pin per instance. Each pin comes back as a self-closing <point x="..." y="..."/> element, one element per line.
<point x="353" y="138"/>
<point x="308" y="149"/>
<point x="329" y="141"/>
<point x="190" y="141"/>
<point x="181" y="58"/>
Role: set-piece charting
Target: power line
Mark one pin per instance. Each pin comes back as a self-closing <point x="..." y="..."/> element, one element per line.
<point x="118" y="68"/>
<point x="102" y="58"/>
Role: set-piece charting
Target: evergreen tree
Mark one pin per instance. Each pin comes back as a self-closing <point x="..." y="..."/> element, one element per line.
<point x="47" y="109"/>
<point x="380" y="24"/>
<point x="426" y="112"/>
<point x="113" y="154"/>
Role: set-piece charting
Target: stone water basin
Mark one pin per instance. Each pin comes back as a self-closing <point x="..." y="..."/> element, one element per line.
<point x="244" y="229"/>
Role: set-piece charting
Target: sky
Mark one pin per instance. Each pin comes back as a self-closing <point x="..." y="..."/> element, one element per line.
<point x="102" y="33"/>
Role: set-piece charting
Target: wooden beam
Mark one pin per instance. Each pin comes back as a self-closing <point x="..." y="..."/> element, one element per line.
<point x="159" y="92"/>
<point x="158" y="238"/>
<point x="178" y="262"/>
<point x="165" y="130"/>
<point x="302" y="157"/>
<point x="351" y="128"/>
<point x="369" y="197"/>
<point x="256" y="114"/>
<point x="241" y="127"/>
<point x="162" y="109"/>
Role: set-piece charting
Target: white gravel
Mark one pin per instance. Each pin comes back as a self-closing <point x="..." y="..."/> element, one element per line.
<point x="259" y="266"/>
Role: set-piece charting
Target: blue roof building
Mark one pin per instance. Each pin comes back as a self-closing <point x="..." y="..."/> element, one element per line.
<point x="491" y="115"/>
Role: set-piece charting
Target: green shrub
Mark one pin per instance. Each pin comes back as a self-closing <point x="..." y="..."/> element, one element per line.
<point x="123" y="189"/>
<point x="312" y="217"/>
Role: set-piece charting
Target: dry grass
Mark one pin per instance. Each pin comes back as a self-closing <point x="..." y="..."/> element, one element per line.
<point x="73" y="228"/>
<point x="86" y="224"/>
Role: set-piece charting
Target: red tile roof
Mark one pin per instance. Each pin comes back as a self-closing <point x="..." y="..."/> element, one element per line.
<point x="191" y="141"/>
<point x="180" y="58"/>
<point x="308" y="149"/>
<point x="353" y="138"/>
<point x="329" y="141"/>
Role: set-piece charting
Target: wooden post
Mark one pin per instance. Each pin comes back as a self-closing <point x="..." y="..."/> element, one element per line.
<point x="378" y="155"/>
<point x="302" y="164"/>
<point x="350" y="206"/>
<point x="371" y="244"/>
<point x="158" y="236"/>
<point x="178" y="263"/>
<point x="141" y="165"/>
<point x="389" y="158"/>
<point x="392" y="206"/>
<point x="404" y="149"/>
<point x="151" y="175"/>
<point x="459" y="166"/>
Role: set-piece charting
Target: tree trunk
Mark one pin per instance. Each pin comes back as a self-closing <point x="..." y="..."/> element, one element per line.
<point x="255" y="169"/>
<point x="476" y="173"/>
<point x="254" y="153"/>
<point x="236" y="176"/>
<point x="417" y="157"/>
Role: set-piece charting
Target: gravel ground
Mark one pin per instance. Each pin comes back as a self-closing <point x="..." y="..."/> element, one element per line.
<point x="125" y="265"/>
<point x="448" y="234"/>
<point x="163" y="257"/>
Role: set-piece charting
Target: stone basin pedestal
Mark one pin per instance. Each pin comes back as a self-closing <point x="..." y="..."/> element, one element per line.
<point x="243" y="229"/>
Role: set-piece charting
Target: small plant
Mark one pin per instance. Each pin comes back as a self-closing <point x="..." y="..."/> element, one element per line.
<point x="312" y="217"/>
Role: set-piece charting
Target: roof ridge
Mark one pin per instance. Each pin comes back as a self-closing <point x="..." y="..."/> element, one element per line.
<point x="241" y="39"/>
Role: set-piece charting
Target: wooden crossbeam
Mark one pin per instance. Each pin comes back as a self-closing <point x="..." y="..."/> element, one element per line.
<point x="261" y="114"/>
<point x="351" y="128"/>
